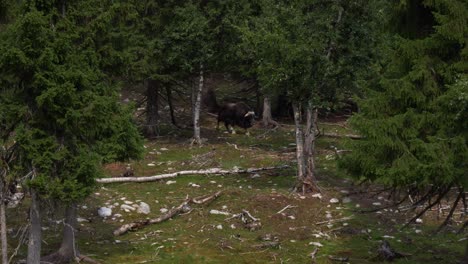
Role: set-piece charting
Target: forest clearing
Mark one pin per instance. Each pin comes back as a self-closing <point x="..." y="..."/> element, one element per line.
<point x="234" y="131"/>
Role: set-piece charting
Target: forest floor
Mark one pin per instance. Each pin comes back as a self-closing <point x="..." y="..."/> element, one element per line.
<point x="336" y="229"/>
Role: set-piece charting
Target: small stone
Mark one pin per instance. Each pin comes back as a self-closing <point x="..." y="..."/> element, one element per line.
<point x="128" y="202"/>
<point x="317" y="244"/>
<point x="117" y="215"/>
<point x="143" y="208"/>
<point x="127" y="208"/>
<point x="292" y="241"/>
<point x="256" y="175"/>
<point x="84" y="207"/>
<point x="213" y="182"/>
<point x="418" y="231"/>
<point x="233" y="226"/>
<point x="170" y="182"/>
<point x="334" y="200"/>
<point x="163" y="210"/>
<point x="376" y="204"/>
<point x="224" y="207"/>
<point x="80" y="220"/>
<point x="163" y="149"/>
<point x="346" y="200"/>
<point x="419" y="221"/>
<point x="292" y="217"/>
<point x="219" y="227"/>
<point x="151" y="164"/>
<point x="328" y="216"/>
<point x="317" y="195"/>
<point x="217" y="212"/>
<point x="358" y="205"/>
<point x="104" y="212"/>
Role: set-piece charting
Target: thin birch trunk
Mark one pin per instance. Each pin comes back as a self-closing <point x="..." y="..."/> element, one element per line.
<point x="3" y="229"/>
<point x="301" y="166"/>
<point x="35" y="231"/>
<point x="196" y="109"/>
<point x="267" y="118"/>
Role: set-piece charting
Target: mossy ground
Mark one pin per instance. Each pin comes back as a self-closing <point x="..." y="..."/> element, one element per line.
<point x="196" y="238"/>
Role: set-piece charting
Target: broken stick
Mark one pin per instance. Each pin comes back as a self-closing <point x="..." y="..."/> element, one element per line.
<point x="173" y="212"/>
<point x="215" y="171"/>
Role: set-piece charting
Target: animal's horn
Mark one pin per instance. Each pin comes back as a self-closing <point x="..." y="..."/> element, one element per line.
<point x="249" y="113"/>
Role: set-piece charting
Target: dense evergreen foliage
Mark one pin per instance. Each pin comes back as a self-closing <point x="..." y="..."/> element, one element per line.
<point x="414" y="120"/>
<point x="62" y="64"/>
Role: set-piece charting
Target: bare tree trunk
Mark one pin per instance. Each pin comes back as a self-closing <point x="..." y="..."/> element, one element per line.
<point x="35" y="230"/>
<point x="309" y="147"/>
<point x="196" y="109"/>
<point x="3" y="229"/>
<point x="152" y="105"/>
<point x="304" y="150"/>
<point x="267" y="118"/>
<point x="68" y="250"/>
<point x="301" y="166"/>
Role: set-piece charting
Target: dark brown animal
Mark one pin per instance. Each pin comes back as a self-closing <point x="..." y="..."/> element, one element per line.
<point x="236" y="114"/>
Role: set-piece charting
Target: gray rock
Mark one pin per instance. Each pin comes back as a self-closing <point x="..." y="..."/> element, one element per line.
<point x="104" y="212"/>
<point x="143" y="208"/>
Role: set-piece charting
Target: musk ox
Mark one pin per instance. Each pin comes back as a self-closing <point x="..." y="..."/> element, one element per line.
<point x="236" y="114"/>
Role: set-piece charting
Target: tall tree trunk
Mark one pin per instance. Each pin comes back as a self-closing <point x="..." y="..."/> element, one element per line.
<point x="267" y="118"/>
<point x="304" y="150"/>
<point x="152" y="105"/>
<point x="301" y="165"/>
<point x="68" y="247"/>
<point x="309" y="147"/>
<point x="196" y="108"/>
<point x="3" y="229"/>
<point x="35" y="230"/>
<point x="68" y="250"/>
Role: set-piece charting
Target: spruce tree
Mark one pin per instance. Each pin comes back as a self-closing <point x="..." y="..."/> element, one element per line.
<point x="414" y="121"/>
<point x="71" y="122"/>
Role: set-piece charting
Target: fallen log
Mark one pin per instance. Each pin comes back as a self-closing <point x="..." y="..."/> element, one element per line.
<point x="183" y="207"/>
<point x="213" y="171"/>
<point x="335" y="135"/>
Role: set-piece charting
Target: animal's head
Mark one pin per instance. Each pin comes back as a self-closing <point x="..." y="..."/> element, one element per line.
<point x="249" y="118"/>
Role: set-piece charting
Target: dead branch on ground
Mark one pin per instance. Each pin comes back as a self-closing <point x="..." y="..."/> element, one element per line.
<point x="183" y="207"/>
<point x="215" y="171"/>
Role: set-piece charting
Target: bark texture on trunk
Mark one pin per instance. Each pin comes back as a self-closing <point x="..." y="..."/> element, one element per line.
<point x="68" y="250"/>
<point x="301" y="170"/>
<point x="267" y="118"/>
<point x="196" y="108"/>
<point x="3" y="229"/>
<point x="152" y="106"/>
<point x="35" y="230"/>
<point x="305" y="137"/>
